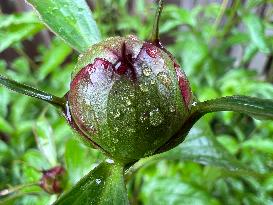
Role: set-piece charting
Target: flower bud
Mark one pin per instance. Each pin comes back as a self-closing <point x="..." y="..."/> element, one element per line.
<point x="52" y="180"/>
<point x="128" y="97"/>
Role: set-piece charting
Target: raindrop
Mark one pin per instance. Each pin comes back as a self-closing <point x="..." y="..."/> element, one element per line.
<point x="98" y="181"/>
<point x="156" y="117"/>
<point x="146" y="71"/>
<point x="115" y="140"/>
<point x="128" y="102"/>
<point x="172" y="108"/>
<point x="143" y="87"/>
<point x="152" y="82"/>
<point x="143" y="118"/>
<point x="117" y="114"/>
<point x="194" y="104"/>
<point x="163" y="77"/>
<point x="109" y="161"/>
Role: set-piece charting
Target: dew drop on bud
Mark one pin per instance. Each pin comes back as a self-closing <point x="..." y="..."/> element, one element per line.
<point x="146" y="71"/>
<point x="156" y="117"/>
<point x="172" y="108"/>
<point x="163" y="77"/>
<point x="152" y="82"/>
<point x="117" y="114"/>
<point x="143" y="87"/>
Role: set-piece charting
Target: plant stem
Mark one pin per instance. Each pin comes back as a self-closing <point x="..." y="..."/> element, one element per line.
<point x="221" y="14"/>
<point x="32" y="92"/>
<point x="155" y="33"/>
<point x="12" y="190"/>
<point x="255" y="107"/>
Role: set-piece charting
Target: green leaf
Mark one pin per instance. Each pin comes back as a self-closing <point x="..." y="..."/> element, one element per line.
<point x="45" y="139"/>
<point x="201" y="147"/>
<point x="173" y="191"/>
<point x="35" y="159"/>
<point x="32" y="92"/>
<point x="256" y="31"/>
<point x="103" y="185"/>
<point x="16" y="33"/>
<point x="54" y="57"/>
<point x="255" y="107"/>
<point x="75" y="159"/>
<point x="71" y="20"/>
<point x="17" y="19"/>
<point x="17" y="27"/>
<point x="263" y="145"/>
<point x="5" y="126"/>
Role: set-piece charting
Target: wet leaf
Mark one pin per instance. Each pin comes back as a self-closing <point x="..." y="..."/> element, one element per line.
<point x="173" y="191"/>
<point x="5" y="126"/>
<point x="103" y="185"/>
<point x="256" y="31"/>
<point x="75" y="159"/>
<point x="254" y="107"/>
<point x="53" y="58"/>
<point x="30" y="91"/>
<point x="201" y="146"/>
<point x="45" y="139"/>
<point x="16" y="33"/>
<point x="71" y="20"/>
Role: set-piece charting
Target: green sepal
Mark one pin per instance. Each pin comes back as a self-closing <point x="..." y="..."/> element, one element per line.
<point x="32" y="92"/>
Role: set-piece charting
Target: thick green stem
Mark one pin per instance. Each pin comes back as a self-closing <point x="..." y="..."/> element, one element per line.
<point x="155" y="33"/>
<point x="32" y="92"/>
<point x="255" y="107"/>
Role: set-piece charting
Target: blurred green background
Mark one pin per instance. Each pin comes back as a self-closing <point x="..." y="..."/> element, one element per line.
<point x="225" y="48"/>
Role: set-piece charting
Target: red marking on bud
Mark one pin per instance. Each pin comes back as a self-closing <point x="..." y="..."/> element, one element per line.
<point x="120" y="68"/>
<point x="151" y="50"/>
<point x="183" y="84"/>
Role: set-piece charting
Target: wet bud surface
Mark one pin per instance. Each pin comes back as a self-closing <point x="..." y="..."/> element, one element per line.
<point x="128" y="97"/>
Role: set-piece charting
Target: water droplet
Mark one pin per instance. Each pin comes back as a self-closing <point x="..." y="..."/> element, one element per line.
<point x="116" y="129"/>
<point x="143" y="87"/>
<point x="117" y="114"/>
<point x="98" y="181"/>
<point x="128" y="102"/>
<point x="143" y="118"/>
<point x="156" y="117"/>
<point x="115" y="140"/>
<point x="194" y="104"/>
<point x="146" y="71"/>
<point x="152" y="82"/>
<point x="110" y="161"/>
<point x="163" y="77"/>
<point x="172" y="108"/>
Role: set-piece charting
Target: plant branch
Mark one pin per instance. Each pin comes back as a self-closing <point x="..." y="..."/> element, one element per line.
<point x="32" y="92"/>
<point x="255" y="107"/>
<point x="155" y="33"/>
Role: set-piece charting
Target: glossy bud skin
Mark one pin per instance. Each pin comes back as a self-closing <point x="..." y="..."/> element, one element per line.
<point x="128" y="97"/>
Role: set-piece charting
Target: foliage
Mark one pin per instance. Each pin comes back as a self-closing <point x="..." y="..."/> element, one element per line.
<point x="227" y="157"/>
